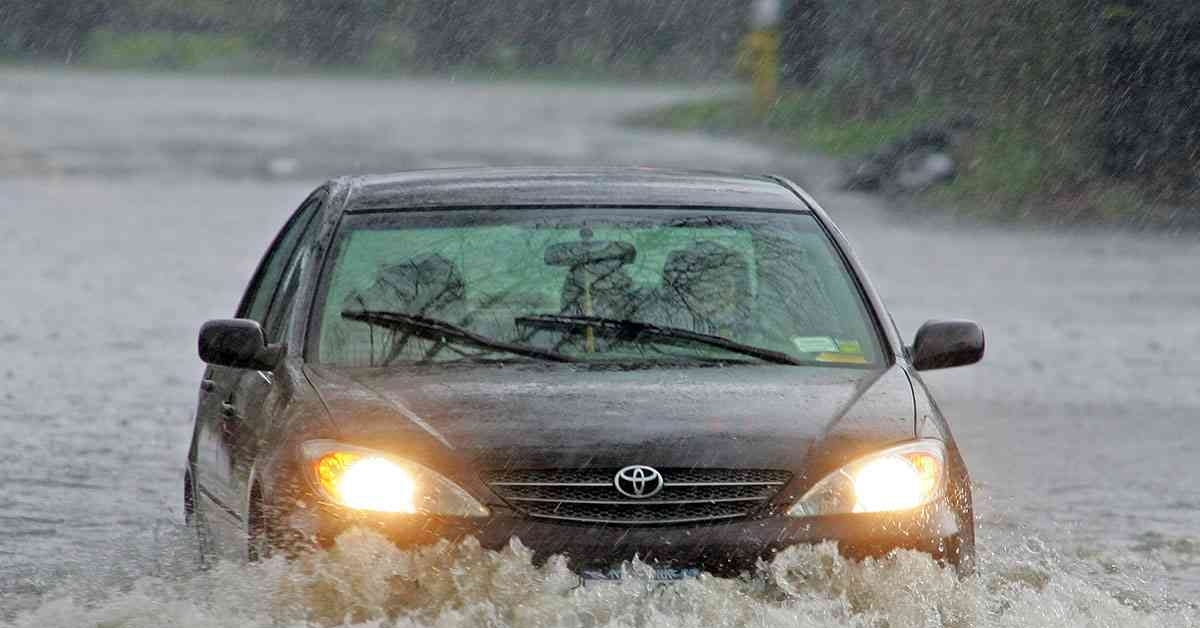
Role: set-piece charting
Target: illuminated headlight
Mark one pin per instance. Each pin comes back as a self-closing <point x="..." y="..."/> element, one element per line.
<point x="897" y="478"/>
<point x="364" y="479"/>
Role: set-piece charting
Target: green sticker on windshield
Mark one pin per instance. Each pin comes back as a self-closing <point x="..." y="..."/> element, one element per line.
<point x="814" y="344"/>
<point x="849" y="346"/>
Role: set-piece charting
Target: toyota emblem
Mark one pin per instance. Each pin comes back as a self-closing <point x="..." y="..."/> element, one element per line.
<point x="638" y="481"/>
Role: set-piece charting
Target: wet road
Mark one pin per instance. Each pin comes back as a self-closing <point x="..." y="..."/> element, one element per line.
<point x="133" y="208"/>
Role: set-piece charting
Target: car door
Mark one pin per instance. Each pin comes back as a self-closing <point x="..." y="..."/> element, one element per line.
<point x="218" y="416"/>
<point x="256" y="396"/>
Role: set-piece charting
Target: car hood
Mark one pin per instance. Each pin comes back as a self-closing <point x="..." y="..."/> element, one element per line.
<point x="564" y="416"/>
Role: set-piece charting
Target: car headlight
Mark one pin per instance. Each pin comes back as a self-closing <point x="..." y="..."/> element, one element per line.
<point x="897" y="478"/>
<point x="364" y="479"/>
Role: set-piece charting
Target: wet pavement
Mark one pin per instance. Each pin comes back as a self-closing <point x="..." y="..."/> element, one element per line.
<point x="132" y="208"/>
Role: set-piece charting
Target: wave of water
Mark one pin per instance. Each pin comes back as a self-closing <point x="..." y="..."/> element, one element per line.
<point x="364" y="580"/>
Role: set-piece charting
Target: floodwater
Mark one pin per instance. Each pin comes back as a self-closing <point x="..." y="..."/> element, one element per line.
<point x="132" y="208"/>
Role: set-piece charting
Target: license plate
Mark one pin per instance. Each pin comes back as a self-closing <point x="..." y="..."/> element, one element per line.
<point x="659" y="574"/>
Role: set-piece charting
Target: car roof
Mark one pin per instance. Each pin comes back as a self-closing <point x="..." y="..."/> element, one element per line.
<point x="548" y="187"/>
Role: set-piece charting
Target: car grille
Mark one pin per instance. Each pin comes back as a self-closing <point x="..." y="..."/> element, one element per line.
<point x="589" y="495"/>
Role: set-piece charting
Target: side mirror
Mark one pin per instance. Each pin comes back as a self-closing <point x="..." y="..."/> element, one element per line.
<point x="945" y="344"/>
<point x="238" y="343"/>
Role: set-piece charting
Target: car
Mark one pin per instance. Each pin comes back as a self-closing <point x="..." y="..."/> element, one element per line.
<point x="686" y="368"/>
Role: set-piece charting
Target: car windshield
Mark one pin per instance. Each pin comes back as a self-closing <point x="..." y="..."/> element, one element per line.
<point x="633" y="287"/>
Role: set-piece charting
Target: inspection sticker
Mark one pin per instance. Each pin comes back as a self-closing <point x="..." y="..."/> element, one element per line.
<point x="814" y="344"/>
<point x="841" y="358"/>
<point x="849" y="346"/>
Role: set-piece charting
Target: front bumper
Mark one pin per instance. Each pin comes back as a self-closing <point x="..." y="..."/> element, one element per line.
<point x="721" y="549"/>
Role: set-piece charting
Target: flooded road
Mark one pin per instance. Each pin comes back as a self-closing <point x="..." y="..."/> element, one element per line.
<point x="135" y="207"/>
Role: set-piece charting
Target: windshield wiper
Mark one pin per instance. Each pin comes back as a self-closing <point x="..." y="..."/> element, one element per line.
<point x="439" y="330"/>
<point x="634" y="330"/>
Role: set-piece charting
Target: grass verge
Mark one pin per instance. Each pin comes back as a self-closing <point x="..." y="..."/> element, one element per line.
<point x="169" y="51"/>
<point x="388" y="57"/>
<point x="804" y="119"/>
<point x="1007" y="171"/>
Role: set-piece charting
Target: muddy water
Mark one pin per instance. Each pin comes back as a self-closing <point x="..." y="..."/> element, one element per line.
<point x="133" y="208"/>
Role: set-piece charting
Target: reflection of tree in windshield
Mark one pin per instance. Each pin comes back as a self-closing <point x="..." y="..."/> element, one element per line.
<point x="427" y="285"/>
<point x="705" y="287"/>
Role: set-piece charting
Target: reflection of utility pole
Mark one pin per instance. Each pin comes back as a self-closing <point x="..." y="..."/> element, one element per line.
<point x="588" y="310"/>
<point x="762" y="44"/>
<point x="585" y="236"/>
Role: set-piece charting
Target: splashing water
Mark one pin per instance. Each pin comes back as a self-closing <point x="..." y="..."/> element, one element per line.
<point x="364" y="580"/>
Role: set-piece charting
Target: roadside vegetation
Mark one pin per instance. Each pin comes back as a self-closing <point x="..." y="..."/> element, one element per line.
<point x="1006" y="171"/>
<point x="801" y="117"/>
<point x="169" y="51"/>
<point x="555" y="39"/>
<point x="1081" y="110"/>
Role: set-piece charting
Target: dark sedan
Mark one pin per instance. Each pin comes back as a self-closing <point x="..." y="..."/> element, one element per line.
<point x="684" y="367"/>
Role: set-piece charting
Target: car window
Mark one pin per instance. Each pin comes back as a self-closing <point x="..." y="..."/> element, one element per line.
<point x="770" y="280"/>
<point x="281" y="305"/>
<point x="257" y="301"/>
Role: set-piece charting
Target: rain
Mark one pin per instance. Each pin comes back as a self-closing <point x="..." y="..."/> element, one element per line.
<point x="1032" y="166"/>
